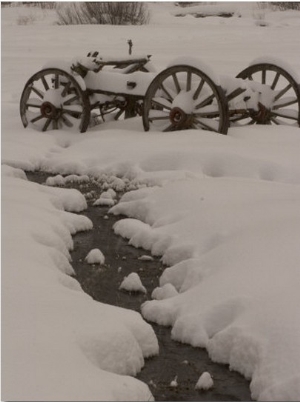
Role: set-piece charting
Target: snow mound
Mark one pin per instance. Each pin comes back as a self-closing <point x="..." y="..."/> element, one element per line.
<point x="133" y="283"/>
<point x="95" y="256"/>
<point x="107" y="198"/>
<point x="59" y="180"/>
<point x="205" y="382"/>
<point x="146" y="258"/>
<point x="104" y="202"/>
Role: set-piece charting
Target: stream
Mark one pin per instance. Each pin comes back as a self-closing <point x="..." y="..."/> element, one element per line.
<point x="102" y="283"/>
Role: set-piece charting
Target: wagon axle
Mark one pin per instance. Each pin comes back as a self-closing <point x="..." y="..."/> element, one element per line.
<point x="262" y="115"/>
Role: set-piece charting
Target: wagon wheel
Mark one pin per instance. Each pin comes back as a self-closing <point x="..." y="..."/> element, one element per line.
<point x="183" y="97"/>
<point x="53" y="99"/>
<point x="281" y="104"/>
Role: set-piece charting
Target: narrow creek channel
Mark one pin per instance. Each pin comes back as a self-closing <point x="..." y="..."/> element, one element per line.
<point x="102" y="284"/>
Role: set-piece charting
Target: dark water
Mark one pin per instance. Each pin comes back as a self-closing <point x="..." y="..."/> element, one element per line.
<point x="102" y="283"/>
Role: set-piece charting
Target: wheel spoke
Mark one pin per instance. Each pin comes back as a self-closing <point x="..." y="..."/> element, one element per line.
<point x="70" y="100"/>
<point x="119" y="114"/>
<point x="155" y="118"/>
<point x="56" y="81"/>
<point x="199" y="89"/>
<point x="283" y="91"/>
<point x="32" y="105"/>
<point x="285" y="102"/>
<point x="287" y="114"/>
<point x="176" y="82"/>
<point x="274" y="83"/>
<point x="74" y="113"/>
<point x="242" y="117"/>
<point x="45" y="83"/>
<point x="205" y="125"/>
<point x="206" y="101"/>
<point x="37" y="118"/>
<point x="47" y="124"/>
<point x="166" y="92"/>
<point x="235" y="93"/>
<point x="55" y="124"/>
<point x="263" y="76"/>
<point x="162" y="102"/>
<point x="66" y="89"/>
<point x="275" y="121"/>
<point x="37" y="91"/>
<point x="209" y="115"/>
<point x="189" y="81"/>
<point x="66" y="121"/>
<point x="169" y="128"/>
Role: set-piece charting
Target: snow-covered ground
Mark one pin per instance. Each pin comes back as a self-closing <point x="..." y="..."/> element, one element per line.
<point x="222" y="211"/>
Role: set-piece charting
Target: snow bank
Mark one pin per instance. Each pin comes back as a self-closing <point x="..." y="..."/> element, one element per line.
<point x="49" y="324"/>
<point x="235" y="261"/>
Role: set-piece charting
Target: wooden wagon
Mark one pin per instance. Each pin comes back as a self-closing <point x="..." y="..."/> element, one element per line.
<point x="185" y="95"/>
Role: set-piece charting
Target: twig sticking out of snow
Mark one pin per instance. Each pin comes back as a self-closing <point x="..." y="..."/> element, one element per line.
<point x="174" y="383"/>
<point x="133" y="283"/>
<point x="205" y="381"/>
<point x="95" y="256"/>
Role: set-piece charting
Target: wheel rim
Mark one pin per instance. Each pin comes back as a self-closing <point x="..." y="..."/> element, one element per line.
<point x="52" y="99"/>
<point x="281" y="105"/>
<point x="183" y="97"/>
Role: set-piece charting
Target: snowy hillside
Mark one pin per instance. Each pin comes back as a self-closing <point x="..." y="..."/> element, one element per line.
<point x="223" y="212"/>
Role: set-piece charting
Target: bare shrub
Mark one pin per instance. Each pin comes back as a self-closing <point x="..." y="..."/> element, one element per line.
<point x="45" y="5"/>
<point x="286" y="5"/>
<point x="112" y="13"/>
<point x="26" y="19"/>
<point x="279" y="5"/>
<point x="72" y="14"/>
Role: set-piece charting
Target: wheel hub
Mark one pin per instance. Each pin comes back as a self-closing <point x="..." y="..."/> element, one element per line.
<point x="48" y="110"/>
<point x="178" y="117"/>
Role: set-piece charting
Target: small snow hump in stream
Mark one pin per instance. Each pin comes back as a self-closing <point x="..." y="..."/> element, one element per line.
<point x="133" y="283"/>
